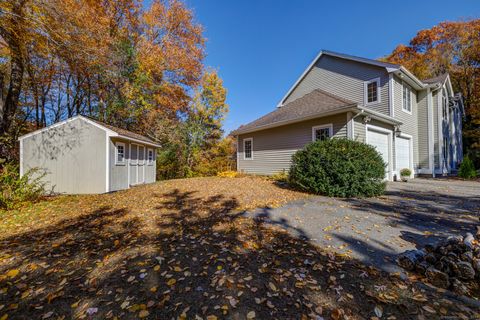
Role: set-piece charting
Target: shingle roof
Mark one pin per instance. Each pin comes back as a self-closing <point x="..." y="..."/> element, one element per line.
<point x="124" y="133"/>
<point x="438" y="79"/>
<point x="314" y="103"/>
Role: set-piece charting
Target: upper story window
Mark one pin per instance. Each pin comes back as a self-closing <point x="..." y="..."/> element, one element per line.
<point x="322" y="133"/>
<point x="372" y="88"/>
<point x="120" y="153"/>
<point x="248" y="149"/>
<point x="407" y="99"/>
<point x="150" y="156"/>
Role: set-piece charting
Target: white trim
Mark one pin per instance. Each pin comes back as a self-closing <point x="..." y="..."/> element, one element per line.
<point x="411" y="166"/>
<point x="150" y="163"/>
<point x="244" y="153"/>
<point x="430" y="131"/>
<point x="391" y="95"/>
<point x="411" y="98"/>
<point x="128" y="163"/>
<point x="440" y="130"/>
<point x="140" y="141"/>
<point x="107" y="162"/>
<point x="117" y="144"/>
<point x="238" y="154"/>
<point x="329" y="126"/>
<point x="390" y="146"/>
<point x="350" y="125"/>
<point x="365" y="92"/>
<point x="21" y="158"/>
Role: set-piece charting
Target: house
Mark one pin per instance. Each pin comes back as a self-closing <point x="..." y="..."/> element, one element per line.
<point x="81" y="155"/>
<point x="413" y="123"/>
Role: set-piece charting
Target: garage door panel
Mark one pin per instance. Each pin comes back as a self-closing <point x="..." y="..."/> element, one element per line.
<point x="403" y="155"/>
<point x="381" y="142"/>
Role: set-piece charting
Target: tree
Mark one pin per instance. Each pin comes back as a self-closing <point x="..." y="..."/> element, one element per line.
<point x="452" y="47"/>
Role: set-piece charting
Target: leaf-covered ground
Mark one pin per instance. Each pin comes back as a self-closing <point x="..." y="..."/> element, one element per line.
<point x="181" y="249"/>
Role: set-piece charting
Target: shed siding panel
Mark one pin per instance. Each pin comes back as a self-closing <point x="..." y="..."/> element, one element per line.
<point x="435" y="128"/>
<point x="423" y="130"/>
<point x="151" y="169"/>
<point x="73" y="156"/>
<point x="274" y="148"/>
<point x="343" y="78"/>
<point x="410" y="121"/>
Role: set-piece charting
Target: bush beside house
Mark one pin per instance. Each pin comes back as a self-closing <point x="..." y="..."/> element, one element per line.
<point x="467" y="169"/>
<point x="339" y="168"/>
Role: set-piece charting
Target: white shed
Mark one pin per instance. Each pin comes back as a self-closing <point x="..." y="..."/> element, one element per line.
<point x="84" y="156"/>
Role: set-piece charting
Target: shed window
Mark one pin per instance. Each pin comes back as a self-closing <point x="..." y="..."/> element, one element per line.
<point x="150" y="156"/>
<point x="322" y="133"/>
<point x="248" y="149"/>
<point x="371" y="91"/>
<point x="120" y="153"/>
<point x="407" y="99"/>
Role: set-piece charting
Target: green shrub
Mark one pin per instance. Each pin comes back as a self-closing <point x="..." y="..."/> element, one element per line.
<point x="405" y="172"/>
<point x="467" y="169"/>
<point x="16" y="190"/>
<point x="339" y="168"/>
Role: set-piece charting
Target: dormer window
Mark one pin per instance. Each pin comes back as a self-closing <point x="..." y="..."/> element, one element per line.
<point x="371" y="91"/>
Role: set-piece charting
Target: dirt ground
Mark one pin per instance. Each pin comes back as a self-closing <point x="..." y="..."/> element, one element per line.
<point x="183" y="249"/>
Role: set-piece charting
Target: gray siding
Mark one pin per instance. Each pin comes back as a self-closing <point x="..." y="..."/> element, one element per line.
<point x="410" y="121"/>
<point x="273" y="148"/>
<point x="118" y="172"/>
<point x="343" y="78"/>
<point x="73" y="156"/>
<point x="359" y="130"/>
<point x="422" y="130"/>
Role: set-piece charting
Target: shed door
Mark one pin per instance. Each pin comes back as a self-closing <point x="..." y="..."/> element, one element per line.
<point x="403" y="155"/>
<point x="141" y="164"/>
<point x="380" y="141"/>
<point x="133" y="164"/>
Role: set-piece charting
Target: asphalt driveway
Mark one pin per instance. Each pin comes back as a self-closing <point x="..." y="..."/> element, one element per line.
<point x="375" y="230"/>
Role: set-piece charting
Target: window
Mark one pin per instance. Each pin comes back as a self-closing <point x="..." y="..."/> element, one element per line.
<point x="371" y="91"/>
<point x="407" y="99"/>
<point x="120" y="153"/>
<point x="150" y="156"/>
<point x="248" y="149"/>
<point x="141" y="155"/>
<point x="321" y="133"/>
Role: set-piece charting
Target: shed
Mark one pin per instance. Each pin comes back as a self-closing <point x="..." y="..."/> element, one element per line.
<point x="84" y="156"/>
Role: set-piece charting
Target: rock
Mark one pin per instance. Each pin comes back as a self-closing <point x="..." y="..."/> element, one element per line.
<point x="430" y="258"/>
<point x="422" y="267"/>
<point x="458" y="287"/>
<point x="465" y="270"/>
<point x="429" y="248"/>
<point x="467" y="256"/>
<point x="410" y="258"/>
<point x="478" y="232"/>
<point x="454" y="240"/>
<point x="468" y="240"/>
<point x="476" y="264"/>
<point x="437" y="278"/>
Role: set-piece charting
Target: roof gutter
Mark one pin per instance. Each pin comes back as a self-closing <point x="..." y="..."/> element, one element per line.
<point x="136" y="140"/>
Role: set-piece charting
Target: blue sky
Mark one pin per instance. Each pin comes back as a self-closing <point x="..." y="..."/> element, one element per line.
<point x="261" y="47"/>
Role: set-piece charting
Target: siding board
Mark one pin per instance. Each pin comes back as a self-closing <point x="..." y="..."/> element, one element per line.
<point x="345" y="79"/>
<point x="274" y="148"/>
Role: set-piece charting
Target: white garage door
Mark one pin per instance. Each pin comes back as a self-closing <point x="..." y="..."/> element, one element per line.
<point x="402" y="150"/>
<point x="380" y="141"/>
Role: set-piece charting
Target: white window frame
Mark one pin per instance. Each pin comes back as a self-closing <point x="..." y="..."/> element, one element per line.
<point x="329" y="126"/>
<point x="365" y="91"/>
<point x="150" y="162"/>
<point x="120" y="163"/>
<point x="141" y="162"/>
<point x="244" y="153"/>
<point x="404" y="86"/>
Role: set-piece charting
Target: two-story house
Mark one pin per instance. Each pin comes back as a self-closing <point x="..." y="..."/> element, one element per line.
<point x="413" y="123"/>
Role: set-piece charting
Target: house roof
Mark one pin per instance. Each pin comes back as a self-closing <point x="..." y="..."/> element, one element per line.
<point x="438" y="79"/>
<point x="112" y="131"/>
<point x="311" y="105"/>
<point x="123" y="132"/>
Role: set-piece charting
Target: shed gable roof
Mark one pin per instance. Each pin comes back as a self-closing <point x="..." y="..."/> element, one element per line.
<point x="111" y="130"/>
